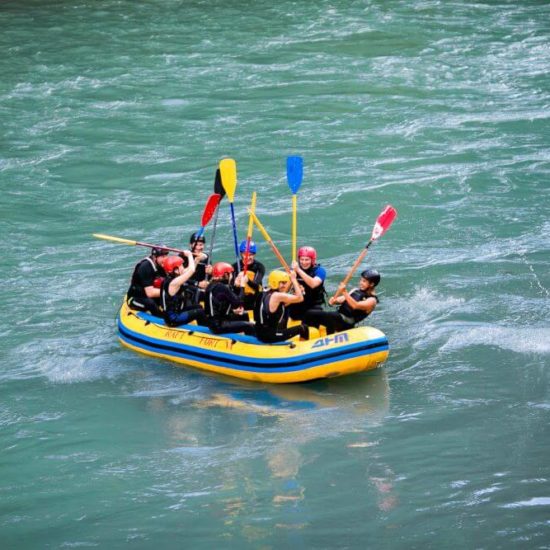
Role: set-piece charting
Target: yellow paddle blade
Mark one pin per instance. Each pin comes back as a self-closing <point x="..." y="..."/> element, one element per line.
<point x="115" y="239"/>
<point x="228" y="171"/>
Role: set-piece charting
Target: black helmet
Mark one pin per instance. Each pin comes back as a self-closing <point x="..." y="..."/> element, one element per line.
<point x="371" y="275"/>
<point x="159" y="250"/>
<point x="193" y="238"/>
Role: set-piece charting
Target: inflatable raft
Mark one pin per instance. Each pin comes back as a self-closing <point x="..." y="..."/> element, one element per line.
<point x="355" y="350"/>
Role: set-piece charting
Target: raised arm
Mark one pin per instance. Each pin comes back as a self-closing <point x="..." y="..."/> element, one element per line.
<point x="184" y="275"/>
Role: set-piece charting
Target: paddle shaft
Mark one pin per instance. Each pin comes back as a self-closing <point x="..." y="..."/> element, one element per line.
<point x="211" y="249"/>
<point x="270" y="242"/>
<point x="353" y="269"/>
<point x="235" y="238"/>
<point x="382" y="224"/>
<point x="294" y="225"/>
<point x="294" y="175"/>
<point x="249" y="233"/>
<point x="218" y="188"/>
<point x="134" y="243"/>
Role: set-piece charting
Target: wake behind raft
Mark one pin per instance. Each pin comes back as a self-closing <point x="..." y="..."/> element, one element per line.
<point x="355" y="350"/>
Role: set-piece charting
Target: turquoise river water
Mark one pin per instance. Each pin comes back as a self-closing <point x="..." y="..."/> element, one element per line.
<point x="114" y="115"/>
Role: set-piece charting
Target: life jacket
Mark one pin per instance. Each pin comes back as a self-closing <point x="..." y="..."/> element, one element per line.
<point x="216" y="309"/>
<point x="263" y="317"/>
<point x="354" y="316"/>
<point x="137" y="289"/>
<point x="251" y="272"/>
<point x="312" y="296"/>
<point x="250" y="276"/>
<point x="169" y="303"/>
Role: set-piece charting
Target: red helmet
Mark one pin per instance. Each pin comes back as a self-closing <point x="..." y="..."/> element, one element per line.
<point x="309" y="252"/>
<point x="172" y="263"/>
<point x="220" y="269"/>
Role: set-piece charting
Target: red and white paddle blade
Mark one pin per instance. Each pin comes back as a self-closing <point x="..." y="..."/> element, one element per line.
<point x="383" y="222"/>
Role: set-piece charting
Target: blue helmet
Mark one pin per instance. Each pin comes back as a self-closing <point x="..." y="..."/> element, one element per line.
<point x="253" y="247"/>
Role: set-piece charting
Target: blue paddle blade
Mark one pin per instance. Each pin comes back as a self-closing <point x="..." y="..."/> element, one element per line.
<point x="294" y="173"/>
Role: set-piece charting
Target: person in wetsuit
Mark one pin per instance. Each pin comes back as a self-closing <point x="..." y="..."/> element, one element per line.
<point x="270" y="312"/>
<point x="223" y="306"/>
<point x="311" y="277"/>
<point x="355" y="306"/>
<point x="197" y="283"/>
<point x="144" y="291"/>
<point x="172" y="293"/>
<point x="202" y="267"/>
<point x="254" y="274"/>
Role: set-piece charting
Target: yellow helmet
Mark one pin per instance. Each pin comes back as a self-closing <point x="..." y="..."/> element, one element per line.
<point x="277" y="277"/>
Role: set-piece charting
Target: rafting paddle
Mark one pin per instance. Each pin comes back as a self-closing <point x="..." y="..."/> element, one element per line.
<point x="382" y="224"/>
<point x="209" y="209"/>
<point x="228" y="172"/>
<point x="249" y="233"/>
<point x="219" y="190"/>
<point x="294" y="175"/>
<point x="269" y="241"/>
<point x="134" y="243"/>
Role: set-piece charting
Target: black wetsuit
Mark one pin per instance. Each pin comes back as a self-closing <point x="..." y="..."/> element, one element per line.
<point x="144" y="275"/>
<point x="345" y="318"/>
<point x="271" y="327"/>
<point x="194" y="294"/>
<point x="219" y="301"/>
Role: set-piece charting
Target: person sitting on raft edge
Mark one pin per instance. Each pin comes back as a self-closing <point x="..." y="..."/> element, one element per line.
<point x="270" y="312"/>
<point x="144" y="291"/>
<point x="355" y="306"/>
<point x="172" y="293"/>
<point x="311" y="277"/>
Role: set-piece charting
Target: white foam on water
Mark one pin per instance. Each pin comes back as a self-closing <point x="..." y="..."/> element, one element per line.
<point x="517" y="339"/>
<point x="76" y="358"/>
<point x="420" y="314"/>
<point x="536" y="501"/>
<point x="68" y="370"/>
<point x="426" y="305"/>
<point x="175" y="102"/>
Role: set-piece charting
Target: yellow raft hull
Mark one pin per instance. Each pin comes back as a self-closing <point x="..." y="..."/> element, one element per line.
<point x="355" y="350"/>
